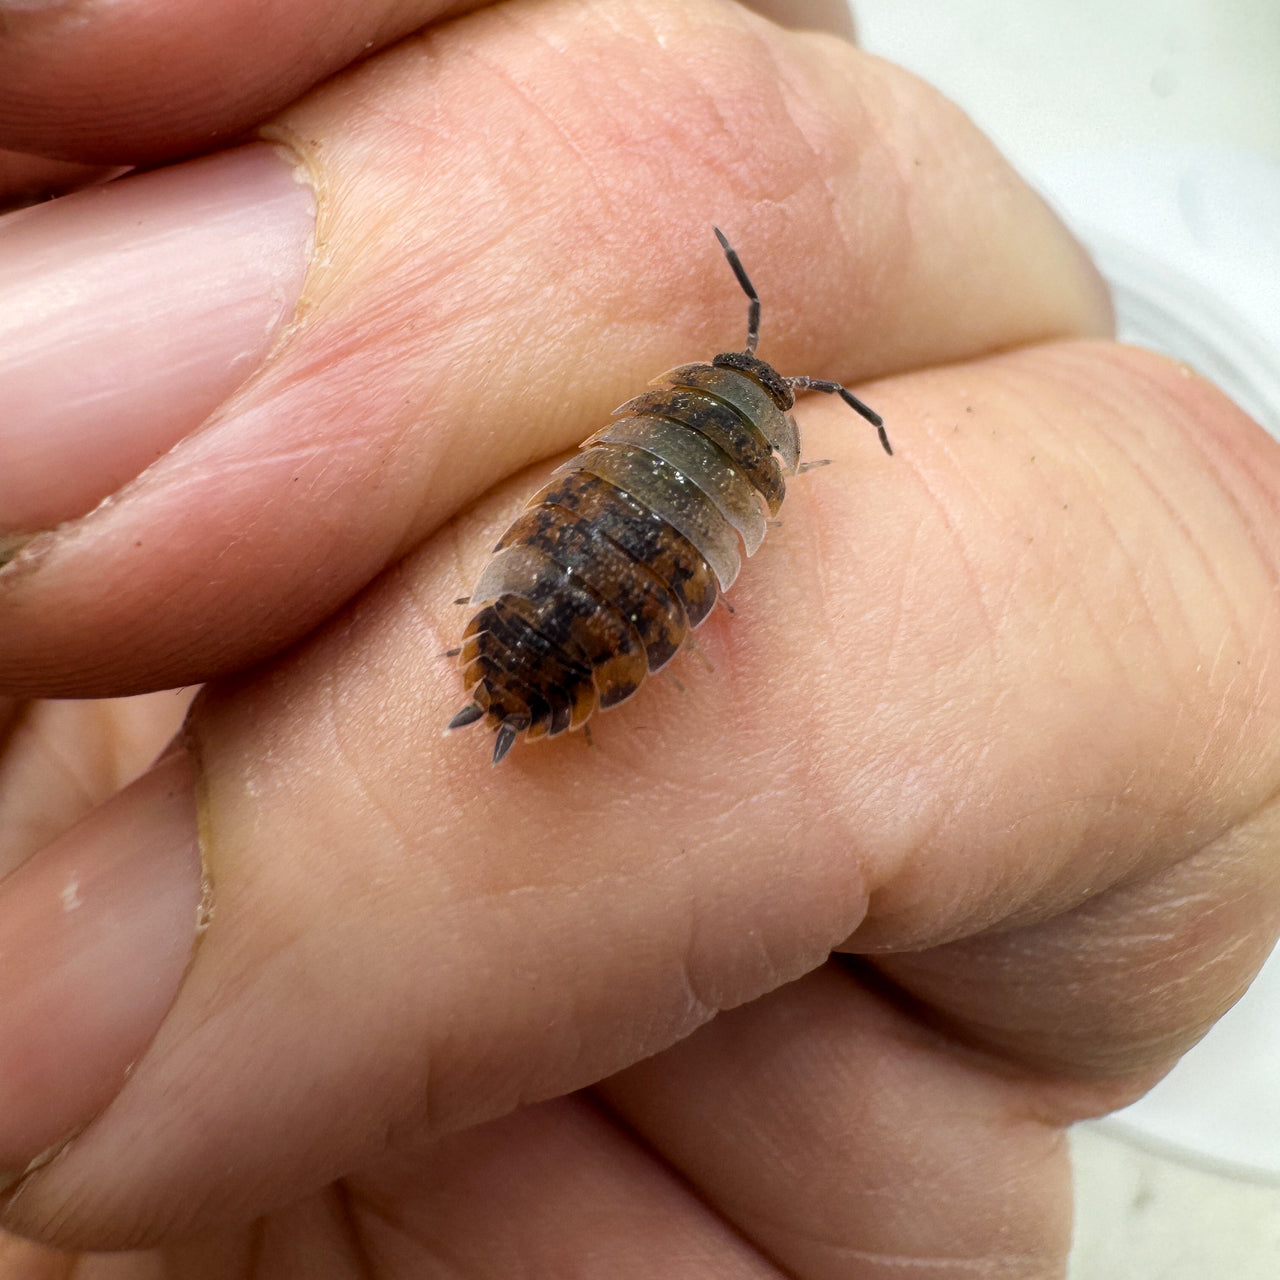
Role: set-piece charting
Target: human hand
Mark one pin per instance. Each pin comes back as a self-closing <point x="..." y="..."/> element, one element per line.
<point x="994" y="715"/>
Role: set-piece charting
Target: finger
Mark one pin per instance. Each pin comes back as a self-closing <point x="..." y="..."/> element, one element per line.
<point x="503" y="1198"/>
<point x="138" y="81"/>
<point x="1025" y="661"/>
<point x="817" y="1132"/>
<point x="451" y="330"/>
<point x="59" y="760"/>
<point x="510" y="1196"/>
<point x="820" y="1131"/>
<point x="1124" y="984"/>
<point x="26" y="179"/>
<point x="844" y="1139"/>
<point x="98" y="932"/>
<point x="834" y="16"/>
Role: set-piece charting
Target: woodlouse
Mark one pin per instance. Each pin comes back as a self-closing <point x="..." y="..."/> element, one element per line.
<point x="610" y="566"/>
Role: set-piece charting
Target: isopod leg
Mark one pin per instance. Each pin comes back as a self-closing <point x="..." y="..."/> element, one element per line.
<point x="694" y="649"/>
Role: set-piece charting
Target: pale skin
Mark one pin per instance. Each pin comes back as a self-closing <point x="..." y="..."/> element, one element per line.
<point x="994" y="719"/>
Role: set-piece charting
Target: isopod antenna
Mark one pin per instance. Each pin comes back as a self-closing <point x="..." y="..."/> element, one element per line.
<point x="753" y="311"/>
<point x="835" y="389"/>
<point x="796" y="384"/>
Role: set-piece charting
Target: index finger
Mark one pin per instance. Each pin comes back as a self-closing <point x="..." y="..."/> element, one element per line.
<point x="136" y="81"/>
<point x="513" y="236"/>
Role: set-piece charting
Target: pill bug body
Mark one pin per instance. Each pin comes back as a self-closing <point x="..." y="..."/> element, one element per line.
<point x="607" y="570"/>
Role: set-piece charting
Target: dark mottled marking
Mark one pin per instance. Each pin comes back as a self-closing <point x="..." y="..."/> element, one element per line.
<point x="661" y="487"/>
<point x="642" y="534"/>
<point x="636" y="594"/>
<point x="505" y="644"/>
<point x="500" y="691"/>
<point x="578" y="620"/>
<point x="557" y="671"/>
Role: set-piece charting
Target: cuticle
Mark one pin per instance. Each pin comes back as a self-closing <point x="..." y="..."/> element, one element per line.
<point x="297" y="152"/>
<point x="189" y="744"/>
<point x="11" y="544"/>
<point x="12" y="1182"/>
<point x="22" y="552"/>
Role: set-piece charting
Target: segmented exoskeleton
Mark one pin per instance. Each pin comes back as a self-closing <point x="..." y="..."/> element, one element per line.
<point x="610" y="566"/>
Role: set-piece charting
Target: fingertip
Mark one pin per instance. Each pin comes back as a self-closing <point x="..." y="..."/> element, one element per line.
<point x="99" y="929"/>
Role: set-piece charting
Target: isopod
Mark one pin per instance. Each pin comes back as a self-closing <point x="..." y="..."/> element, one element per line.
<point x="610" y="567"/>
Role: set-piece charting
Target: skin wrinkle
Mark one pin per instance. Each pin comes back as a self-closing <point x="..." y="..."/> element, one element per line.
<point x="768" y="975"/>
<point x="739" y="1212"/>
<point x="897" y="638"/>
<point x="1136" y="1052"/>
<point x="1108" y="638"/>
<point x="766" y="49"/>
<point x="891" y="1195"/>
<point x="1013" y="1266"/>
<point x="1170" y="991"/>
<point x="1175" y="519"/>
<point x="25" y="718"/>
<point x="730" y="1223"/>
<point x="694" y="1189"/>
<point x="1100" y="630"/>
<point x="887" y="103"/>
<point x="792" y="97"/>
<point x="954" y="528"/>
<point x="806" y="767"/>
<point x="528" y="1092"/>
<point x="968" y="762"/>
<point x="699" y="1010"/>
<point x="430" y="1243"/>
<point x="874" y="280"/>
<point x="1251" y="715"/>
<point x="646" y="106"/>
<point x="1229" y="679"/>
<point x="1190" y="543"/>
<point x="345" y="1224"/>
<point x="609" y="208"/>
<point x="353" y="771"/>
<point x="600" y="1107"/>
<point x="1211" y="466"/>
<point x="1000" y="515"/>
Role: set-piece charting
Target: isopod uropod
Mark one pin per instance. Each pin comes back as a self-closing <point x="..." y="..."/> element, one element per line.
<point x="607" y="570"/>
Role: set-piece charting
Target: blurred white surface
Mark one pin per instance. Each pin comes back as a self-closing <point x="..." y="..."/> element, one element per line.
<point x="1056" y="77"/>
<point x="1154" y="127"/>
<point x="1144" y="1217"/>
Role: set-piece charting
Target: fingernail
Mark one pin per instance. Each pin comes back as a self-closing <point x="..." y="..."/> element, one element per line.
<point x="96" y="931"/>
<point x="130" y="311"/>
